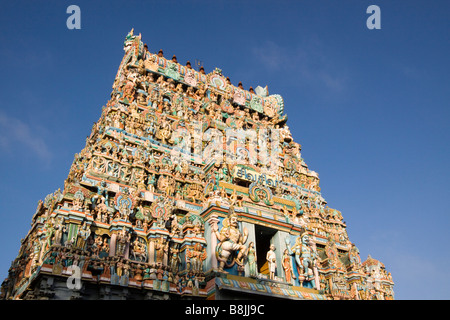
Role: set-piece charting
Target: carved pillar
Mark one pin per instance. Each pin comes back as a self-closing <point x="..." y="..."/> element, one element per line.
<point x="151" y="251"/>
<point x="166" y="253"/>
<point x="213" y="221"/>
<point x="316" y="278"/>
<point x="127" y="250"/>
<point x="355" y="288"/>
<point x="112" y="245"/>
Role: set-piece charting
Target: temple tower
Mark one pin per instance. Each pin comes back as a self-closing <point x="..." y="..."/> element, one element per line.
<point x="189" y="187"/>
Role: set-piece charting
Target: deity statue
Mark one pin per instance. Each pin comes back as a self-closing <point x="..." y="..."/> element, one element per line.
<point x="175" y="259"/>
<point x="165" y="132"/>
<point x="151" y="182"/>
<point x="123" y="239"/>
<point x="355" y="260"/>
<point x="161" y="247"/>
<point x="78" y="201"/>
<point x="60" y="228"/>
<point x="50" y="230"/>
<point x="102" y="210"/>
<point x="196" y="255"/>
<point x="96" y="247"/>
<point x="83" y="234"/>
<point x="331" y="252"/>
<point x="305" y="255"/>
<point x="231" y="241"/>
<point x="119" y="267"/>
<point x="251" y="259"/>
<point x="287" y="266"/>
<point x="102" y="193"/>
<point x="139" y="250"/>
<point x="272" y="261"/>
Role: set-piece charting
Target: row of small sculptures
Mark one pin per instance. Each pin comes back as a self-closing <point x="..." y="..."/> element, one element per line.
<point x="166" y="95"/>
<point x="163" y="129"/>
<point x="121" y="163"/>
<point x="92" y="252"/>
<point x="129" y="117"/>
<point x="132" y="120"/>
<point x="108" y="267"/>
<point x="173" y="187"/>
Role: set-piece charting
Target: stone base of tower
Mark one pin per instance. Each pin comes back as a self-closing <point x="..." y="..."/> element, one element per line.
<point x="53" y="287"/>
<point x="52" y="283"/>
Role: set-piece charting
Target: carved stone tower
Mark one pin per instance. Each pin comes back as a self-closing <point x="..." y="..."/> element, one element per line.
<point x="189" y="187"/>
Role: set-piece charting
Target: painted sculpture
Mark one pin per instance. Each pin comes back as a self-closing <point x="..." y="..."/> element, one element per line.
<point x="231" y="248"/>
<point x="272" y="261"/>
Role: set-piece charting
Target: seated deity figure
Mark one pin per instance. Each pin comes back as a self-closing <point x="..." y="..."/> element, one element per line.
<point x="231" y="241"/>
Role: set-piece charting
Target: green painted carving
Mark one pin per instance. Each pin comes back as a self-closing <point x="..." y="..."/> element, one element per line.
<point x="172" y="71"/>
<point x="256" y="104"/>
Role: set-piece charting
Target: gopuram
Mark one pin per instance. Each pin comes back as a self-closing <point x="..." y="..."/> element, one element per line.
<point x="189" y="187"/>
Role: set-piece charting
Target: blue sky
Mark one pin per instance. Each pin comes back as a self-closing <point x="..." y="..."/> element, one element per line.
<point x="369" y="107"/>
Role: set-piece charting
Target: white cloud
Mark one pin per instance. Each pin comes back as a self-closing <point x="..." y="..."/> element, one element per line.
<point x="271" y="55"/>
<point x="14" y="130"/>
<point x="307" y="64"/>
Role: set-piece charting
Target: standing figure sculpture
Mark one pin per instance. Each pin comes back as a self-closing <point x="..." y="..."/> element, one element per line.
<point x="272" y="261"/>
<point x="195" y="257"/>
<point x="296" y="251"/>
<point x="309" y="259"/>
<point x="251" y="258"/>
<point x="175" y="259"/>
<point x="60" y="228"/>
<point x="231" y="241"/>
<point x="308" y="255"/>
<point x="355" y="260"/>
<point x="287" y="266"/>
<point x="305" y="257"/>
<point x="83" y="234"/>
<point x="123" y="239"/>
